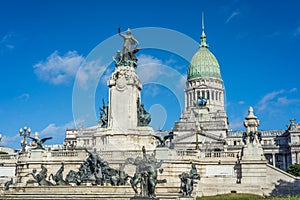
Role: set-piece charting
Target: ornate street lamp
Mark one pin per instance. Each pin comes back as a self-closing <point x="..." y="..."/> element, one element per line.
<point x="24" y="132"/>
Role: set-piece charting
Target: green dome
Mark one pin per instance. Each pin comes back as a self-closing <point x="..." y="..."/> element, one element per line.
<point x="204" y="65"/>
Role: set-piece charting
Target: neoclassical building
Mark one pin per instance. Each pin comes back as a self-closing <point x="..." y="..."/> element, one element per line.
<point x="206" y="127"/>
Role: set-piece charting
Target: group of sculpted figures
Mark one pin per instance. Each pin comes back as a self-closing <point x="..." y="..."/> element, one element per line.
<point x="93" y="170"/>
<point x="187" y="181"/>
<point x="145" y="174"/>
<point x="251" y="137"/>
<point x="97" y="172"/>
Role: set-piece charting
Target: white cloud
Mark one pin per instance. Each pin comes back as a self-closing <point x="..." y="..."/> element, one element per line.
<point x="90" y="72"/>
<point x="297" y="31"/>
<point x="58" y="130"/>
<point x="236" y="124"/>
<point x="276" y="99"/>
<point x="7" y="40"/>
<point x="8" y="140"/>
<point x="241" y="102"/>
<point x="59" y="69"/>
<point x="233" y="15"/>
<point x="23" y="97"/>
<point x="151" y="64"/>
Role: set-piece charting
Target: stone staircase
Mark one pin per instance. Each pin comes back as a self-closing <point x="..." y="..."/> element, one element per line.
<point x="83" y="192"/>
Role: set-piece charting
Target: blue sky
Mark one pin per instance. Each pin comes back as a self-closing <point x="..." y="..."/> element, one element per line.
<point x="43" y="44"/>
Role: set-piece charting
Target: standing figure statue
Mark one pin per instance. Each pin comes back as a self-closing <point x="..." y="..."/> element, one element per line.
<point x="129" y="41"/>
<point x="130" y="48"/>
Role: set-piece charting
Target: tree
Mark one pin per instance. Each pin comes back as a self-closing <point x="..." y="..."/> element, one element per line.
<point x="294" y="170"/>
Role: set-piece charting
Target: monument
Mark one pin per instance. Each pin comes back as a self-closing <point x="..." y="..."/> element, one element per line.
<point x="252" y="138"/>
<point x="125" y="117"/>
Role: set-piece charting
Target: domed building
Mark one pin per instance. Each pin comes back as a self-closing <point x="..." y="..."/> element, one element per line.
<point x="204" y="101"/>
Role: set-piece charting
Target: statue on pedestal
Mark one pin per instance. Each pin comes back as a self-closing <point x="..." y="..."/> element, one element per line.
<point x="38" y="143"/>
<point x="251" y="123"/>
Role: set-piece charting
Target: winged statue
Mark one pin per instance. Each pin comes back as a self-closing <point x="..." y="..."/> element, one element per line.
<point x="39" y="142"/>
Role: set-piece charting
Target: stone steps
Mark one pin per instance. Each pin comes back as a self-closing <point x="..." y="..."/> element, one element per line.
<point x="82" y="196"/>
<point x="83" y="192"/>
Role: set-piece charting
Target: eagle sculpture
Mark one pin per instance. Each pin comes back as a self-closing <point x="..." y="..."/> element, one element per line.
<point x="39" y="142"/>
<point x="162" y="139"/>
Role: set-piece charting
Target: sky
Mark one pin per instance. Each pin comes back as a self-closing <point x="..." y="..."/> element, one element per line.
<point x="55" y="59"/>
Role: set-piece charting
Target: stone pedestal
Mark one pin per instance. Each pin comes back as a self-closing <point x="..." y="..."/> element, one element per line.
<point x="124" y="92"/>
<point x="253" y="152"/>
<point x="164" y="153"/>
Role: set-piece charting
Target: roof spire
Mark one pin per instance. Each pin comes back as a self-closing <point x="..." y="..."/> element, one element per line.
<point x="203" y="36"/>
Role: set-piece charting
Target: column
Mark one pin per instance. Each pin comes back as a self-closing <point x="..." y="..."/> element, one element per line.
<point x="283" y="161"/>
<point x="273" y="158"/>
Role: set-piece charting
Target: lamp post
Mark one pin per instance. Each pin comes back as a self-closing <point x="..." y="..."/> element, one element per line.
<point x="24" y="132"/>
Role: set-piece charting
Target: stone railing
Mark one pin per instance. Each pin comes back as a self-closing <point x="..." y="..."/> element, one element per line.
<point x="182" y="153"/>
<point x="221" y="154"/>
<point x="119" y="155"/>
<point x="64" y="154"/>
<point x="8" y="156"/>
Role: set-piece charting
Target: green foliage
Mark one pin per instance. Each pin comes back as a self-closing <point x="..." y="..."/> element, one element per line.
<point x="232" y="196"/>
<point x="285" y="198"/>
<point x="294" y="170"/>
<point x="238" y="196"/>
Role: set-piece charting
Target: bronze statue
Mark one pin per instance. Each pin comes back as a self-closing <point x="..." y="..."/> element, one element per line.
<point x="103" y="115"/>
<point x="40" y="142"/>
<point x="39" y="178"/>
<point x="162" y="139"/>
<point x="58" y="177"/>
<point x="145" y="175"/>
<point x="7" y="184"/>
<point x="187" y="181"/>
<point x="144" y="118"/>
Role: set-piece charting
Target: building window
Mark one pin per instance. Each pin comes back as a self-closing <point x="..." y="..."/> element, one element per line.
<point x="207" y="93"/>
